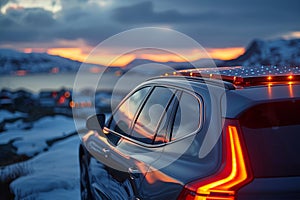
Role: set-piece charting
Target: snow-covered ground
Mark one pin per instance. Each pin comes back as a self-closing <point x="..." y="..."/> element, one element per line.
<point x="33" y="141"/>
<point x="53" y="170"/>
<point x="53" y="174"/>
<point x="4" y="114"/>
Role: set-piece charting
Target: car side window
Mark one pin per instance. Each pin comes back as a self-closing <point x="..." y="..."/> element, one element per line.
<point x="124" y="115"/>
<point x="188" y="116"/>
<point x="151" y="114"/>
<point x="164" y="125"/>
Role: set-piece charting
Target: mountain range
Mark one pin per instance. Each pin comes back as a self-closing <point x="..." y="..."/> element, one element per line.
<point x="12" y="61"/>
<point x="259" y="52"/>
<point x="273" y="52"/>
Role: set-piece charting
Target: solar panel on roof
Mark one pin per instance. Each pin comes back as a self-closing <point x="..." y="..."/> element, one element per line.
<point x="248" y="71"/>
<point x="247" y="76"/>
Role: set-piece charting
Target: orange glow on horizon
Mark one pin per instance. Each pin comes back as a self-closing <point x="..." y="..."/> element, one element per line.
<point x="226" y="53"/>
<point x="108" y="59"/>
<point x="71" y="53"/>
<point x="27" y="50"/>
<point x="34" y="50"/>
<point x="168" y="57"/>
<point x="77" y="54"/>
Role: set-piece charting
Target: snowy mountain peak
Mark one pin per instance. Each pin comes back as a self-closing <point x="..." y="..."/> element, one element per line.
<point x="12" y="61"/>
<point x="272" y="52"/>
<point x="259" y="52"/>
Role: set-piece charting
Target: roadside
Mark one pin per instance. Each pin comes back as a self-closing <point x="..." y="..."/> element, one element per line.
<point x="41" y="160"/>
<point x="39" y="142"/>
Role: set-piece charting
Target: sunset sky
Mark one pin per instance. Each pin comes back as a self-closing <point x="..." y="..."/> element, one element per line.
<point x="72" y="28"/>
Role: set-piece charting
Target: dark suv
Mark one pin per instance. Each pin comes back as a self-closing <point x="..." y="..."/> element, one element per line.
<point x="226" y="133"/>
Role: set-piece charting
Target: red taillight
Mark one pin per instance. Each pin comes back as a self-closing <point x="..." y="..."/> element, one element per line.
<point x="232" y="175"/>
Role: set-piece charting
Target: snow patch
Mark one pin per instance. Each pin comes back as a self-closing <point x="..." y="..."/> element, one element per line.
<point x="53" y="174"/>
<point x="4" y="114"/>
<point x="33" y="141"/>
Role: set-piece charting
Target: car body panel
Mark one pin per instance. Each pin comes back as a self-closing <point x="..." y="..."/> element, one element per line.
<point x="162" y="171"/>
<point x="240" y="100"/>
<point x="271" y="188"/>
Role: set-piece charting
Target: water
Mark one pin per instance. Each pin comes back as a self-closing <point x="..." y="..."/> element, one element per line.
<point x="37" y="82"/>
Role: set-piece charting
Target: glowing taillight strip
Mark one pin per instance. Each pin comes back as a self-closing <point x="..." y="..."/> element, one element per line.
<point x="234" y="172"/>
<point x="238" y="172"/>
<point x="238" y="162"/>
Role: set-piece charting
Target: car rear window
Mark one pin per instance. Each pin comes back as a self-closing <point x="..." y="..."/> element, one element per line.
<point x="272" y="137"/>
<point x="188" y="116"/>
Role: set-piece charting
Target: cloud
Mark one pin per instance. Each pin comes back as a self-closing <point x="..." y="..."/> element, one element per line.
<point x="85" y="21"/>
<point x="37" y="17"/>
<point x="144" y="13"/>
<point x="27" y="17"/>
<point x="40" y="25"/>
<point x="215" y="23"/>
<point x="3" y="3"/>
<point x="26" y="24"/>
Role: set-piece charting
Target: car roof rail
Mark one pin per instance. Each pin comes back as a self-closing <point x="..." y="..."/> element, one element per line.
<point x="215" y="82"/>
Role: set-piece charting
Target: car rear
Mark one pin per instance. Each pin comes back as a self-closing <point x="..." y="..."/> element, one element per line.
<point x="261" y="145"/>
<point x="271" y="133"/>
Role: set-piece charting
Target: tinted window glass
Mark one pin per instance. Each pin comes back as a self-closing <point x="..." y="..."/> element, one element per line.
<point x="150" y="115"/>
<point x="271" y="132"/>
<point x="164" y="124"/>
<point x="187" y="118"/>
<point x="272" y="115"/>
<point x="125" y="114"/>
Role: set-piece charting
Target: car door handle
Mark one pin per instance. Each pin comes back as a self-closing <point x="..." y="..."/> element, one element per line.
<point x="106" y="152"/>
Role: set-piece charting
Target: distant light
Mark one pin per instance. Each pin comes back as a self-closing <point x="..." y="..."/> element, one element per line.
<point x="191" y="73"/>
<point x="21" y="72"/>
<point x="290" y="77"/>
<point x="118" y="73"/>
<point x="269" y="78"/>
<point x="54" y="70"/>
<point x="72" y="104"/>
<point x="95" y="70"/>
<point x="61" y="100"/>
<point x="67" y="94"/>
<point x="54" y="94"/>
<point x="27" y="50"/>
